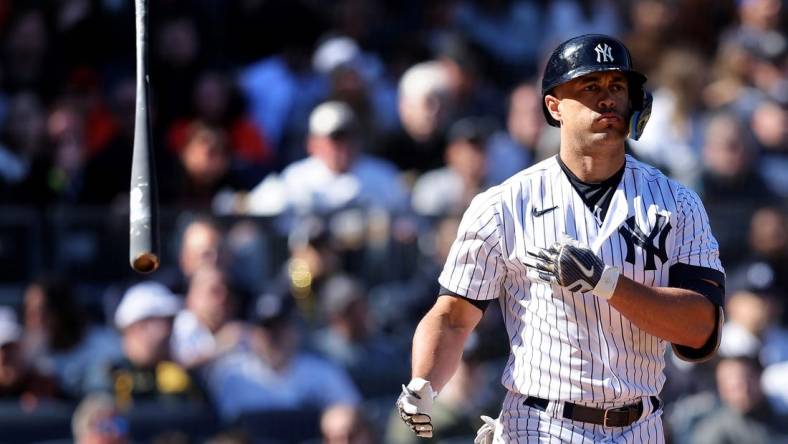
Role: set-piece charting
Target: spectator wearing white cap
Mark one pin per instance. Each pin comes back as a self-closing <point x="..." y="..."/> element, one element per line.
<point x="145" y="372"/>
<point x="425" y="103"/>
<point x="336" y="174"/>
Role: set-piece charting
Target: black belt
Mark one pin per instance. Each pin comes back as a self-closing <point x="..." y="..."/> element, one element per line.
<point x="612" y="417"/>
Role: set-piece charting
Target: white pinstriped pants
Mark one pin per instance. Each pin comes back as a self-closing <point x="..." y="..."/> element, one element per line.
<point x="522" y="424"/>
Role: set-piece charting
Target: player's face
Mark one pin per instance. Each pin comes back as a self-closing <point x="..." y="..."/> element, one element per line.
<point x="595" y="107"/>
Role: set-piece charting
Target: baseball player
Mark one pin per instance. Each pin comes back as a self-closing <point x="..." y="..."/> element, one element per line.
<point x="599" y="262"/>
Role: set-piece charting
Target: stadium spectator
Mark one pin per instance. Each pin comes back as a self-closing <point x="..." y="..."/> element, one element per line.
<point x="251" y="260"/>
<point x="336" y="174"/>
<point x="399" y="304"/>
<point x="745" y="415"/>
<point x="24" y="152"/>
<point x="145" y="372"/>
<point x="66" y="130"/>
<point x="201" y="243"/>
<point x="425" y="104"/>
<point x="344" y="424"/>
<point x="730" y="86"/>
<point x="525" y="137"/>
<point x="18" y="380"/>
<point x="673" y="137"/>
<point x="216" y="102"/>
<point x="59" y="339"/>
<point x="775" y="387"/>
<point x="313" y="257"/>
<point x="203" y="330"/>
<point x="447" y="191"/>
<point x="768" y="244"/>
<point x="650" y="33"/>
<point x="98" y="421"/>
<point x="759" y="23"/>
<point x="472" y="93"/>
<point x="769" y="124"/>
<point x="730" y="184"/>
<point x="350" y="340"/>
<point x="204" y="171"/>
<point x="358" y="78"/>
<point x="752" y="326"/>
<point x="269" y="372"/>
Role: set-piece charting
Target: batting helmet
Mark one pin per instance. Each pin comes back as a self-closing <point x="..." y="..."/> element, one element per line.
<point x="589" y="53"/>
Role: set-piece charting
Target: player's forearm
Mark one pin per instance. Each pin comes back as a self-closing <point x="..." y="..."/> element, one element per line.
<point x="437" y="346"/>
<point x="677" y="315"/>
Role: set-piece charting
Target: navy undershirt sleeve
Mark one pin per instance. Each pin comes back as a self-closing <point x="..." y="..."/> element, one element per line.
<point x="480" y="304"/>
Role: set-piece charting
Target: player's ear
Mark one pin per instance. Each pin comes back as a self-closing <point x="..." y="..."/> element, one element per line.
<point x="551" y="102"/>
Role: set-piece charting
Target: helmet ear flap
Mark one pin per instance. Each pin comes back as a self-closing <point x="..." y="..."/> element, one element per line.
<point x="641" y="112"/>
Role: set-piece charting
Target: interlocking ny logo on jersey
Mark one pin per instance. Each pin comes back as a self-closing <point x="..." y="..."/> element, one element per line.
<point x="633" y="236"/>
<point x="604" y="53"/>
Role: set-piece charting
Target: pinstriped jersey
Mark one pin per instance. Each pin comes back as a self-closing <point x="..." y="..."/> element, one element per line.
<point x="571" y="345"/>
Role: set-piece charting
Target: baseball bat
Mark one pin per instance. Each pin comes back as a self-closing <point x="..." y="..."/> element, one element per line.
<point x="143" y="194"/>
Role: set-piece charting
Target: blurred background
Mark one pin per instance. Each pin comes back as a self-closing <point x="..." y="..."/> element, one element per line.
<point x="314" y="158"/>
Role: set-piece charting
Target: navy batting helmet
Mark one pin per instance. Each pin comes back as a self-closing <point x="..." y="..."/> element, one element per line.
<point x="589" y="53"/>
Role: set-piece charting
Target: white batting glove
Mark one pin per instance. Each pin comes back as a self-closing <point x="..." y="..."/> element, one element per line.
<point x="486" y="432"/>
<point x="574" y="266"/>
<point x="415" y="406"/>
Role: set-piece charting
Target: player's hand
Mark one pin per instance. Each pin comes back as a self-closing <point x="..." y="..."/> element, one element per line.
<point x="415" y="406"/>
<point x="573" y="266"/>
<point x="486" y="432"/>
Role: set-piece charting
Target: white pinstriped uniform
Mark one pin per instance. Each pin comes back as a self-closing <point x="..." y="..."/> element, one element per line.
<point x="574" y="346"/>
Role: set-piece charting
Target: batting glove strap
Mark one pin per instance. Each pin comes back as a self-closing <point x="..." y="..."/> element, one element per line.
<point x="607" y="283"/>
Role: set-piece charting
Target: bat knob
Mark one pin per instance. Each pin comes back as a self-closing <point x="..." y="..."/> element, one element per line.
<point x="145" y="263"/>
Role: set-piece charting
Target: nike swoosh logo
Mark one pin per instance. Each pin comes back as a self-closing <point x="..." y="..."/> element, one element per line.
<point x="537" y="213"/>
<point x="589" y="272"/>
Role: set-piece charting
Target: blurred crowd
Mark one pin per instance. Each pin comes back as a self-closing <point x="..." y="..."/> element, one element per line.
<point x="313" y="161"/>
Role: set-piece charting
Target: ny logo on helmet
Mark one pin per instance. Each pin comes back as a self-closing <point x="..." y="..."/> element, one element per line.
<point x="604" y="53"/>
